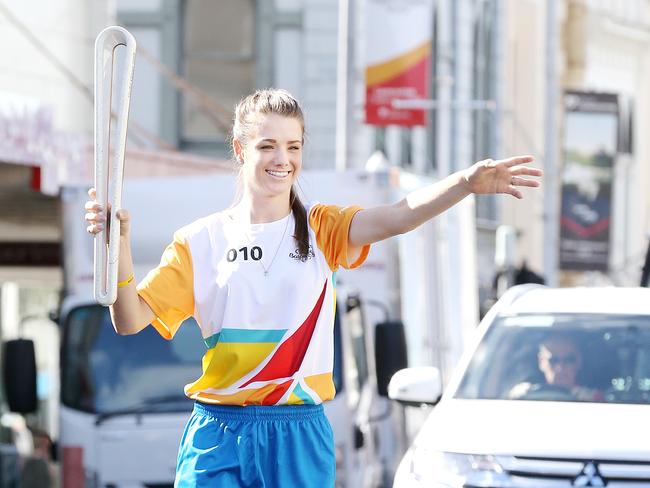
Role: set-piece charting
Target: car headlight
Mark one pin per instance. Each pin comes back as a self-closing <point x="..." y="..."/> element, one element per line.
<point x="446" y="469"/>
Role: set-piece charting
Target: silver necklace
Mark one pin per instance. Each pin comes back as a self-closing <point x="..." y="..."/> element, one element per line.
<point x="264" y="268"/>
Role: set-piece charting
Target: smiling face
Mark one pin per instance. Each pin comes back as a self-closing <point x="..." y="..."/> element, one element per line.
<point x="271" y="155"/>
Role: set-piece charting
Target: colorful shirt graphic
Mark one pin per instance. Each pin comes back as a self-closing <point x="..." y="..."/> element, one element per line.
<point x="269" y="337"/>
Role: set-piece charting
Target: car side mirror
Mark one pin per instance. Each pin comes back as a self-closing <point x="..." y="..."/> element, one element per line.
<point x="390" y="352"/>
<point x="19" y="375"/>
<point x="416" y="386"/>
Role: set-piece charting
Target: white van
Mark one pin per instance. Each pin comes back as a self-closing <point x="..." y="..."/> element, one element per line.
<point x="122" y="409"/>
<point x="553" y="391"/>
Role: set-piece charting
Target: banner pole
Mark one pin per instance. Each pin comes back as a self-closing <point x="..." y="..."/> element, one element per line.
<point x="551" y="187"/>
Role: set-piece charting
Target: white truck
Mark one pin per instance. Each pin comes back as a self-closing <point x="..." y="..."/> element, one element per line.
<point x="122" y="407"/>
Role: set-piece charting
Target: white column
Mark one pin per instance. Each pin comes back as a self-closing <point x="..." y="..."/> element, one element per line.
<point x="551" y="179"/>
<point x="462" y="276"/>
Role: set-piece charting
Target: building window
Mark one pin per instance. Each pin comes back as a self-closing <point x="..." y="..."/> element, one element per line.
<point x="219" y="58"/>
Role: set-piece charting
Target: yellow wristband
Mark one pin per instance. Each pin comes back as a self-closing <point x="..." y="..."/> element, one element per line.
<point x="122" y="284"/>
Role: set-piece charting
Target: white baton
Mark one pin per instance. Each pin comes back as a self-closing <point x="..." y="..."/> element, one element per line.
<point x="112" y="97"/>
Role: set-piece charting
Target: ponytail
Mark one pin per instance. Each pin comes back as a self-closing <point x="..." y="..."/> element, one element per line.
<point x="301" y="232"/>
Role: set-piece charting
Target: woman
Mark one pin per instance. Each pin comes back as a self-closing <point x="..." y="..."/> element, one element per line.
<point x="259" y="278"/>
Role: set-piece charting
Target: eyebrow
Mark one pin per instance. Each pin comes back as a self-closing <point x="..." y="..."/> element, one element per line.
<point x="274" y="141"/>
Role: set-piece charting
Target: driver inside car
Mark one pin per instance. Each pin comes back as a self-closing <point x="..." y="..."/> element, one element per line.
<point x="559" y="360"/>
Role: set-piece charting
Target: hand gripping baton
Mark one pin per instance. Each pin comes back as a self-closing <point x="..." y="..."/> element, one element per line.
<point x="110" y="142"/>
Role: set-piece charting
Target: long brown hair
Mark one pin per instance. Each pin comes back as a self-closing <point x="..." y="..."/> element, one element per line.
<point x="279" y="102"/>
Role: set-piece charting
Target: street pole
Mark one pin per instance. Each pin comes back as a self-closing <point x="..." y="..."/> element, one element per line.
<point x="342" y="84"/>
<point x="551" y="180"/>
<point x="496" y="74"/>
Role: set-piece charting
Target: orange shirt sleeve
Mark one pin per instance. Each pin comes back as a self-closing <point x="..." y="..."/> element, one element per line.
<point x="169" y="288"/>
<point x="331" y="225"/>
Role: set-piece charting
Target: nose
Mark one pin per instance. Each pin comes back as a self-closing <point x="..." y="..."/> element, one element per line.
<point x="281" y="157"/>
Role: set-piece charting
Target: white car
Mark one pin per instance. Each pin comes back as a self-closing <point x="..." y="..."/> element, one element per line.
<point x="553" y="392"/>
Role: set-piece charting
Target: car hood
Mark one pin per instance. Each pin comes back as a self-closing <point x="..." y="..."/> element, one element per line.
<point x="539" y="429"/>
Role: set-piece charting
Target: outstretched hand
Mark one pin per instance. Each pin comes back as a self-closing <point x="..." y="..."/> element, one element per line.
<point x="501" y="176"/>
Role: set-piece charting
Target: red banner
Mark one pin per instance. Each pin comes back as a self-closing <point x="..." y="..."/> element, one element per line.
<point x="398" y="60"/>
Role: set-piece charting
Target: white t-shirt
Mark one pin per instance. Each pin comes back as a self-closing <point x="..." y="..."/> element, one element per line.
<point x="266" y="315"/>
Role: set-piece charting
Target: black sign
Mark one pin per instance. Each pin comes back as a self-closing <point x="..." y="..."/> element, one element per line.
<point x="30" y="254"/>
<point x="590" y="148"/>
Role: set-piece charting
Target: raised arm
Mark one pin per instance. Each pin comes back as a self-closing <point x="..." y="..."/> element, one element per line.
<point x="488" y="176"/>
<point x="130" y="313"/>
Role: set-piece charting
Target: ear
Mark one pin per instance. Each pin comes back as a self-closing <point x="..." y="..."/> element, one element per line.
<point x="238" y="150"/>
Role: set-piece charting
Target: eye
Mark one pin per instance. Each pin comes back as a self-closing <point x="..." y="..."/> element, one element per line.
<point x="266" y="146"/>
<point x="295" y="148"/>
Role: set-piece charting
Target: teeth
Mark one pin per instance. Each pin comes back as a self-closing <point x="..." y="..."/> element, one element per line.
<point x="278" y="174"/>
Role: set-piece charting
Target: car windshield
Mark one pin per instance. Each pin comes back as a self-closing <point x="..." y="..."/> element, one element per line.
<point x="593" y="358"/>
<point x="104" y="372"/>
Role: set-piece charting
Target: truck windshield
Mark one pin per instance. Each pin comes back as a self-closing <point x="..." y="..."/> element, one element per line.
<point x="103" y="372"/>
<point x="591" y="358"/>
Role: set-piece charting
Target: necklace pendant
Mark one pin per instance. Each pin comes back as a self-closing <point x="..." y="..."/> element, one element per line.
<point x="266" y="272"/>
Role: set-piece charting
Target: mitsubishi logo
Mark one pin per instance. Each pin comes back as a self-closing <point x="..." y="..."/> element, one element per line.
<point x="589" y="476"/>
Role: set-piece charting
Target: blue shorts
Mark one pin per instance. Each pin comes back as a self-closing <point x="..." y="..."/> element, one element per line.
<point x="256" y="446"/>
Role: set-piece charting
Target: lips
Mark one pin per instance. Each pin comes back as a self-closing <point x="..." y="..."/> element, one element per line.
<point x="278" y="174"/>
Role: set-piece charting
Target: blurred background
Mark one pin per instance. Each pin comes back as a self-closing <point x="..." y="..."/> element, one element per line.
<point x="419" y="88"/>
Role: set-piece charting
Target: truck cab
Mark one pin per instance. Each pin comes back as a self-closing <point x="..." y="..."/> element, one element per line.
<point x="123" y="409"/>
<point x="122" y="404"/>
